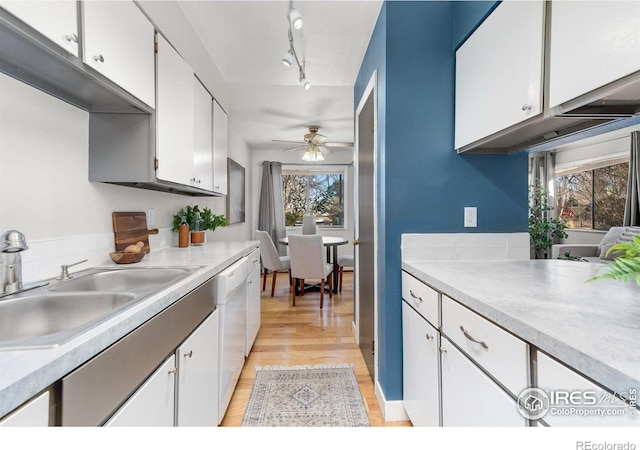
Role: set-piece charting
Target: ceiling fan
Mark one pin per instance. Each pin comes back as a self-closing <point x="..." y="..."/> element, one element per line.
<point x="315" y="145"/>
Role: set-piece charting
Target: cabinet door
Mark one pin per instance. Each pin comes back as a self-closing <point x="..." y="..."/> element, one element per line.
<point x="253" y="306"/>
<point x="219" y="149"/>
<point x="198" y="376"/>
<point x="174" y="116"/>
<point x="119" y="43"/>
<point x="578" y="401"/>
<point x="592" y="44"/>
<point x="421" y="366"/>
<point x="499" y="72"/>
<point x="202" y="137"/>
<point x="152" y="405"/>
<point x="470" y="397"/>
<point x="56" y="20"/>
<point x="34" y="413"/>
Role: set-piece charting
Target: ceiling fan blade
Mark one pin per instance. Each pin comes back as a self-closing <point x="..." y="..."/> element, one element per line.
<point x="296" y="148"/>
<point x="338" y="144"/>
<point x="324" y="150"/>
<point x="288" y="142"/>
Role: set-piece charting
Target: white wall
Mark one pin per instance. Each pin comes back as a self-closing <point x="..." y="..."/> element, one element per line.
<point x="338" y="156"/>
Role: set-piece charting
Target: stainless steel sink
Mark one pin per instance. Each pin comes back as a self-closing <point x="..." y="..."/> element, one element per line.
<point x="119" y="280"/>
<point x="50" y="316"/>
<point x="48" y="320"/>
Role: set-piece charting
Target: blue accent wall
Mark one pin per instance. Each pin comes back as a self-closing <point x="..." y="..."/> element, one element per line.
<point x="423" y="183"/>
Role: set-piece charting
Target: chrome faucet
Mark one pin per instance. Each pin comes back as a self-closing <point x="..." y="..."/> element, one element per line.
<point x="12" y="243"/>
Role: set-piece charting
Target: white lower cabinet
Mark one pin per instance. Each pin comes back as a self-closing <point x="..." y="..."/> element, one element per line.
<point x="153" y="404"/>
<point x="183" y="391"/>
<point x="253" y="301"/>
<point x="576" y="401"/>
<point x="197" y="392"/>
<point x="470" y="397"/>
<point x="34" y="413"/>
<point x="421" y="368"/>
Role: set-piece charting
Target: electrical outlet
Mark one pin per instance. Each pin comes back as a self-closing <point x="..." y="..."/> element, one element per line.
<point x="151" y="217"/>
<point x="470" y="216"/>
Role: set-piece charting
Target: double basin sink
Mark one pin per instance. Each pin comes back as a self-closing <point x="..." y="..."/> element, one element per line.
<point x="52" y="315"/>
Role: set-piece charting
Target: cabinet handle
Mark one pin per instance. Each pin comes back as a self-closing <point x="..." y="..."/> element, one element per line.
<point x="415" y="296"/>
<point x="189" y="355"/>
<point x="443" y="350"/>
<point x="428" y="336"/>
<point x="173" y="371"/>
<point x="472" y="339"/>
<point x="98" y="58"/>
<point x="217" y="187"/>
<point x="71" y="37"/>
<point x="527" y="107"/>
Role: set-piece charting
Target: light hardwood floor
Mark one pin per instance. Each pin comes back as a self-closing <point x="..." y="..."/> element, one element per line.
<point x="305" y="335"/>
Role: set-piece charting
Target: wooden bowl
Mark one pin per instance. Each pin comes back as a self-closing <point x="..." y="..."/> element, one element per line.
<point x="126" y="258"/>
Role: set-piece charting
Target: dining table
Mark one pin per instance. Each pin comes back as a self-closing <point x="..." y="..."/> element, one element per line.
<point x="331" y="243"/>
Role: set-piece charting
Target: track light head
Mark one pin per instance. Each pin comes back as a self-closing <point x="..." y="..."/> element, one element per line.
<point x="287" y="59"/>
<point x="303" y="80"/>
<point x="295" y="18"/>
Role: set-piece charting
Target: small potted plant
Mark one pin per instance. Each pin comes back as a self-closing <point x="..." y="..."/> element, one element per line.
<point x="199" y="221"/>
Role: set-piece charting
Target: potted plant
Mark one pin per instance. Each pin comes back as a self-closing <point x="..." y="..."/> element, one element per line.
<point x="626" y="266"/>
<point x="199" y="221"/>
<point x="543" y="230"/>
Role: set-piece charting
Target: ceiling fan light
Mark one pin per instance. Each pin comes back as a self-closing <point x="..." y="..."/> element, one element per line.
<point x="312" y="154"/>
<point x="295" y="18"/>
<point x="287" y="59"/>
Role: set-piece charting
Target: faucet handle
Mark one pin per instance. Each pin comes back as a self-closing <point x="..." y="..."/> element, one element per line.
<point x="64" y="270"/>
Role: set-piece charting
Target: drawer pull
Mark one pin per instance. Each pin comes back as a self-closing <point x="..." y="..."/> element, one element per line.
<point x="428" y="336"/>
<point x="443" y="350"/>
<point x="472" y="339"/>
<point x="189" y="355"/>
<point x="415" y="296"/>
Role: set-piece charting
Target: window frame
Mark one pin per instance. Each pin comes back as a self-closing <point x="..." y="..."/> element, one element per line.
<point x="307" y="169"/>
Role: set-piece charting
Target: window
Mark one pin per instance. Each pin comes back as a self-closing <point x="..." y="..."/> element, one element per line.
<point x="319" y="190"/>
<point x="594" y="198"/>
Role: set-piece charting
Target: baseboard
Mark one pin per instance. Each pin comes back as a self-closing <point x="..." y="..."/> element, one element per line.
<point x="392" y="410"/>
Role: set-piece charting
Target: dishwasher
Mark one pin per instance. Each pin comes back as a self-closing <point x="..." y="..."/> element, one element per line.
<point x="230" y="288"/>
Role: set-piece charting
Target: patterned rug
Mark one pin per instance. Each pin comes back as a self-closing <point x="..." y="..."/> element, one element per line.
<point x="306" y="396"/>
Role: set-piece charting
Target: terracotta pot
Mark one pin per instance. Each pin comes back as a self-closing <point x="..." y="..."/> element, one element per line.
<point x="197" y="237"/>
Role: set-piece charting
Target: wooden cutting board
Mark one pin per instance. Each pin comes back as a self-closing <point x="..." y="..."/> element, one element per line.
<point x="129" y="228"/>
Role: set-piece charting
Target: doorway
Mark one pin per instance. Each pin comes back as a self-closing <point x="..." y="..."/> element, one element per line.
<point x="365" y="226"/>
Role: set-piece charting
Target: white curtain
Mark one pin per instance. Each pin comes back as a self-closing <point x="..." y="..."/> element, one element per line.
<point x="632" y="204"/>
<point x="271" y="207"/>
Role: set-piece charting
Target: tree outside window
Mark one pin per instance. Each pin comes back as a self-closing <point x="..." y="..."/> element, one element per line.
<point x="593" y="199"/>
<point x="320" y="193"/>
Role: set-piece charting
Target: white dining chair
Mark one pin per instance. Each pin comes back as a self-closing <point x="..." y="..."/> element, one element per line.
<point x="308" y="263"/>
<point x="271" y="260"/>
<point x="309" y="224"/>
<point x="344" y="261"/>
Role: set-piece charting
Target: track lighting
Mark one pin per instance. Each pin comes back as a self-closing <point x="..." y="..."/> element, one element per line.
<point x="287" y="59"/>
<point x="295" y="21"/>
<point x="295" y="18"/>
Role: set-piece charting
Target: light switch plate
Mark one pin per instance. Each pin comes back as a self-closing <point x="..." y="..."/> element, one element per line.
<point x="470" y="216"/>
<point x="151" y="217"/>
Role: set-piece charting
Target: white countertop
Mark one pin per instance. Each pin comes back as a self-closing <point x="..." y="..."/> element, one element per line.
<point x="25" y="373"/>
<point x="593" y="327"/>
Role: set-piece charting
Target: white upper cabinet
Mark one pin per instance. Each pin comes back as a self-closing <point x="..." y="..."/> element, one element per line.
<point x="219" y="149"/>
<point x="119" y="43"/>
<point x="202" y="137"/>
<point x="499" y="72"/>
<point x="174" y="116"/>
<point x="592" y="44"/>
<point x="56" y="20"/>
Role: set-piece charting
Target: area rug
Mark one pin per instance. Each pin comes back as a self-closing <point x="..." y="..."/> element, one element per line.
<point x="306" y="396"/>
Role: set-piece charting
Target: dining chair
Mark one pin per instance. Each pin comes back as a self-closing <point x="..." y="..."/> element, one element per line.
<point x="344" y="261"/>
<point x="271" y="260"/>
<point x="309" y="224"/>
<point x="308" y="263"/>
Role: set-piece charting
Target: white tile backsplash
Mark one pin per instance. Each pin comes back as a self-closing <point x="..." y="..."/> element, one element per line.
<point x="465" y="247"/>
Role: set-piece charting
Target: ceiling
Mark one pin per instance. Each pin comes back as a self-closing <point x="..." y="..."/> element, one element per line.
<point x="247" y="40"/>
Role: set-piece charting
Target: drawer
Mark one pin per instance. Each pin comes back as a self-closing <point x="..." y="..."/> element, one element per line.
<point x="253" y="260"/>
<point x="501" y="354"/>
<point x="421" y="297"/>
<point x="556" y="379"/>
